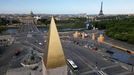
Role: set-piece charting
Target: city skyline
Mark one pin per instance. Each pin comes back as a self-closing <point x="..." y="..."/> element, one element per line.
<point x="66" y="6"/>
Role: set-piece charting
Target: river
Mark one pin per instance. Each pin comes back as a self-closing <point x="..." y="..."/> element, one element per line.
<point x="14" y="30"/>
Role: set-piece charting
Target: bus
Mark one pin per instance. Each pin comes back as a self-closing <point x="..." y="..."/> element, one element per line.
<point x="73" y="65"/>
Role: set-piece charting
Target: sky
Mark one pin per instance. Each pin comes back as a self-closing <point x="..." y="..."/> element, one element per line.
<point x="67" y="6"/>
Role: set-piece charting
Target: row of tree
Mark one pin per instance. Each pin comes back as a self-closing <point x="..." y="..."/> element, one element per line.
<point x="121" y="29"/>
<point x="2" y="28"/>
<point x="3" y="23"/>
<point x="70" y="23"/>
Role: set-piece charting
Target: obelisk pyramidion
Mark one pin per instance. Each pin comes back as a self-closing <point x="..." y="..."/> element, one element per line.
<point x="54" y="59"/>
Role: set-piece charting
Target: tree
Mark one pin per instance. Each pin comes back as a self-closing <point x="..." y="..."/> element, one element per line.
<point x="121" y="29"/>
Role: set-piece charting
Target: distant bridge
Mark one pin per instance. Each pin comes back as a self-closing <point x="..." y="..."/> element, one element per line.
<point x="28" y="28"/>
<point x="18" y="25"/>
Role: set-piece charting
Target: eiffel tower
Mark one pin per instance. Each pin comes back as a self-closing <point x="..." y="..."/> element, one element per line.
<point x="101" y="11"/>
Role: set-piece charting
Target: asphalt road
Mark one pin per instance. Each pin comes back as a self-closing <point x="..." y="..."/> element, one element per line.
<point x="89" y="62"/>
<point x="6" y="58"/>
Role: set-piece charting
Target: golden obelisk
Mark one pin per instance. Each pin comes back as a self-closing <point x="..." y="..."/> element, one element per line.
<point x="54" y="61"/>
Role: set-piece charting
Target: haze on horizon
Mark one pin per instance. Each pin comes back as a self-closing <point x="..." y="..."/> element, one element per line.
<point x="67" y="6"/>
